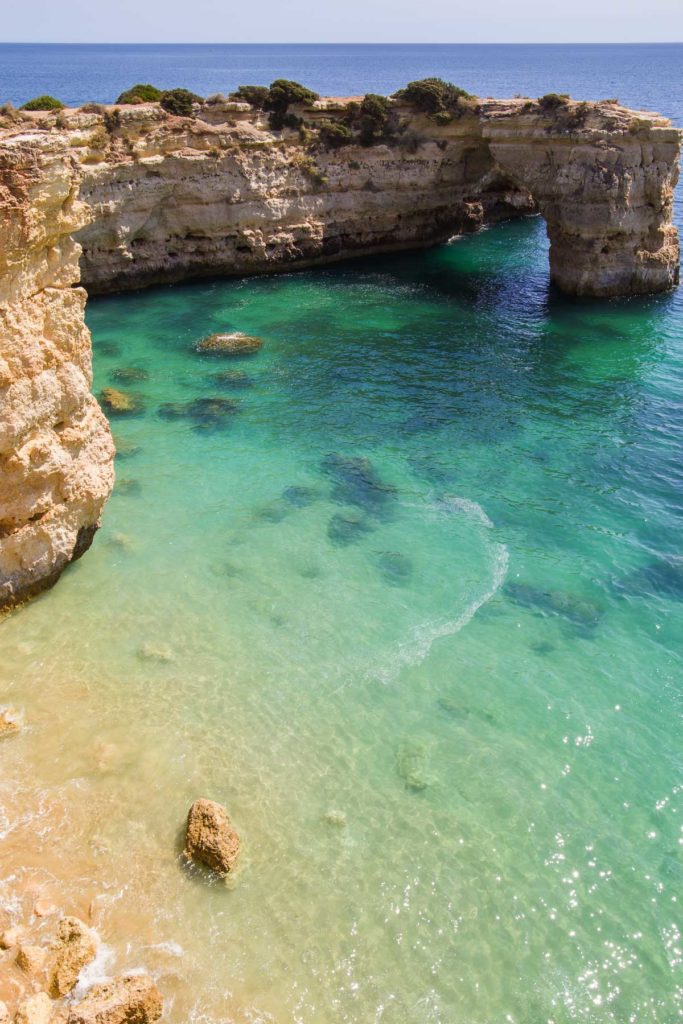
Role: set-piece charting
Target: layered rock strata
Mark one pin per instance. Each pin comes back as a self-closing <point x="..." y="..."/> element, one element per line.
<point x="155" y="198"/>
<point x="176" y="198"/>
<point x="56" y="452"/>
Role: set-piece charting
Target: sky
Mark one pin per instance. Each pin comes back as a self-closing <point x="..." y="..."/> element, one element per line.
<point x="357" y="21"/>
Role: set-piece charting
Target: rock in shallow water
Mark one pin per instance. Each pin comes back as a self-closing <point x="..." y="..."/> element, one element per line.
<point x="347" y="528"/>
<point x="230" y="344"/>
<point x="394" y="568"/>
<point x="121" y="403"/>
<point x="210" y="838"/>
<point x="204" y="413"/>
<point x="230" y="379"/>
<point x="130" y="999"/>
<point x="10" y="722"/>
<point x="76" y="946"/>
<point x="129" y="374"/>
<point x="357" y="482"/>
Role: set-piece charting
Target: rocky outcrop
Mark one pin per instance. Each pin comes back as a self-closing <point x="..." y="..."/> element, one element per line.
<point x="55" y="447"/>
<point x="129" y="999"/>
<point x="175" y="198"/>
<point x="157" y="198"/>
<point x="210" y="838"/>
<point x="75" y="948"/>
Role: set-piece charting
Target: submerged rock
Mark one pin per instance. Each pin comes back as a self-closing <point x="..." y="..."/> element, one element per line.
<point x="356" y="482"/>
<point x="129" y="374"/>
<point x="125" y="449"/>
<point x="156" y="652"/>
<point x="10" y="722"/>
<point x="121" y="403"/>
<point x="335" y="818"/>
<point x="230" y="344"/>
<point x="210" y="838"/>
<point x="411" y="764"/>
<point x="127" y="486"/>
<point x="394" y="568"/>
<point x="274" y="512"/>
<point x="129" y="999"/>
<point x="577" y="610"/>
<point x="299" y="496"/>
<point x="347" y="528"/>
<point x="231" y="379"/>
<point x="204" y="413"/>
<point x="75" y="947"/>
<point x="455" y="709"/>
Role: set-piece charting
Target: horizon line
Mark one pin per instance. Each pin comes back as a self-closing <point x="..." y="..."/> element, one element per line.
<point x="293" y="42"/>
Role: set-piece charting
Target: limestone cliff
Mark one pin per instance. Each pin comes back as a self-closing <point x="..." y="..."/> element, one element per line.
<point x="173" y="198"/>
<point x="56" y="452"/>
<point x="156" y="198"/>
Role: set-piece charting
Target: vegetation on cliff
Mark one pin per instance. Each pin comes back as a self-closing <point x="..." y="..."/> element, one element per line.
<point x="43" y="103"/>
<point x="141" y="93"/>
<point x="179" y="101"/>
<point x="441" y="100"/>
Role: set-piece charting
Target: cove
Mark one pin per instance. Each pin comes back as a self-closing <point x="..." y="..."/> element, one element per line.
<point x="450" y="737"/>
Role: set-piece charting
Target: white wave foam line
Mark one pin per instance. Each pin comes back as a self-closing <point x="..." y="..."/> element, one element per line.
<point x="450" y="503"/>
<point x="416" y="650"/>
<point x="96" y="972"/>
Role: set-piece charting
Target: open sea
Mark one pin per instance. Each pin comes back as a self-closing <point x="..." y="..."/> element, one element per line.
<point x="408" y="600"/>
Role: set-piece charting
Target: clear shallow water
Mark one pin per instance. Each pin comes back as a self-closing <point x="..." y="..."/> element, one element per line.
<point x="440" y="691"/>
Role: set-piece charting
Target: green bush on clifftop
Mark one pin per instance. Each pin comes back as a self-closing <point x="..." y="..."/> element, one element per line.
<point x="282" y="92"/>
<point x="141" y="93"/>
<point x="256" y="95"/>
<point x="43" y="103"/>
<point x="179" y="101"/>
<point x="435" y="97"/>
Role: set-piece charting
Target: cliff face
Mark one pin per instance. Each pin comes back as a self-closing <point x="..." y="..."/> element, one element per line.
<point x="56" y="452"/>
<point x="173" y="198"/>
<point x="156" y="198"/>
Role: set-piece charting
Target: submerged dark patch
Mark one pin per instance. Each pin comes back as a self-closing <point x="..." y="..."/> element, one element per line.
<point x="357" y="482"/>
<point x="299" y="496"/>
<point x="204" y="413"/>
<point x="394" y="568"/>
<point x="578" y="611"/>
<point x="347" y="528"/>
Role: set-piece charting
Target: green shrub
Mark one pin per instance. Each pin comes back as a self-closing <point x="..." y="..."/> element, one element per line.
<point x="282" y="92"/>
<point x="43" y="103"/>
<point x="140" y="93"/>
<point x="433" y="95"/>
<point x="334" y="134"/>
<point x="179" y="101"/>
<point x="552" y="100"/>
<point x="373" y="118"/>
<point x="255" y="95"/>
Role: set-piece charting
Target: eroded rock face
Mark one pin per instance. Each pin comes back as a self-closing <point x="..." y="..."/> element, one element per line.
<point x="75" y="947"/>
<point x="56" y="453"/>
<point x="179" y="198"/>
<point x="210" y="838"/>
<point x="130" y="999"/>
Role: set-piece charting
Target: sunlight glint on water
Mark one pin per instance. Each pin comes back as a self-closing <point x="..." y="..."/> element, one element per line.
<point x="439" y="691"/>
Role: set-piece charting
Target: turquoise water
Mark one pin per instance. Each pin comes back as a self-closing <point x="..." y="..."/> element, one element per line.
<point x="407" y="600"/>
